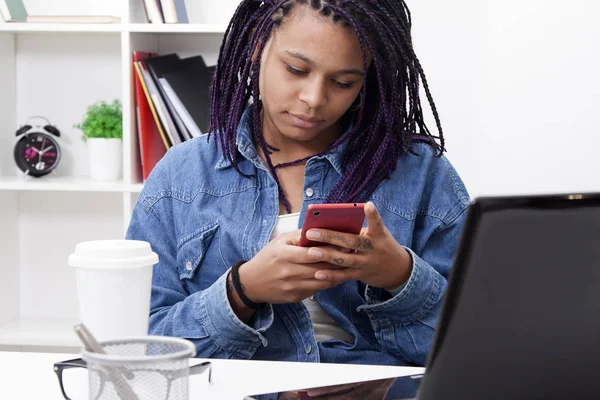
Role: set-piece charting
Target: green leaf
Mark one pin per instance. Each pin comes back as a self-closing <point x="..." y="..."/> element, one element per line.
<point x="102" y="120"/>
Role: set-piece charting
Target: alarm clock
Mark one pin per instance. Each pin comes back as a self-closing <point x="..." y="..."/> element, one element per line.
<point x="37" y="152"/>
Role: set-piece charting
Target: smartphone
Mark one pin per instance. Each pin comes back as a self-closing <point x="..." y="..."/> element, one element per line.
<point x="340" y="217"/>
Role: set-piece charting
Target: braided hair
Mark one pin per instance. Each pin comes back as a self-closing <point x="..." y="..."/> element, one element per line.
<point x="387" y="119"/>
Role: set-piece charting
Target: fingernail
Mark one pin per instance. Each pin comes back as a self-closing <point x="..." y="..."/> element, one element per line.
<point x="320" y="276"/>
<point x="315" y="253"/>
<point x="313" y="234"/>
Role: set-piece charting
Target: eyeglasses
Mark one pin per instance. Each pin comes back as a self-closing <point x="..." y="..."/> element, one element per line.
<point x="162" y="382"/>
<point x="75" y="370"/>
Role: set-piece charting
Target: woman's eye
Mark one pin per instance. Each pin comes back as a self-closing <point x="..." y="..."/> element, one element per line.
<point x="343" y="85"/>
<point x="294" y="71"/>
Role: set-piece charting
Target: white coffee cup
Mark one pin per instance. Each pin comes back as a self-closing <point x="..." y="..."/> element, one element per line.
<point x="114" y="283"/>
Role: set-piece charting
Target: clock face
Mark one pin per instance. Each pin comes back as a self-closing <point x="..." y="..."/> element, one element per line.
<point x="37" y="153"/>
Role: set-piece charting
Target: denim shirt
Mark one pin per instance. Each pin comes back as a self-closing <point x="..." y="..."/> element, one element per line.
<point x="201" y="216"/>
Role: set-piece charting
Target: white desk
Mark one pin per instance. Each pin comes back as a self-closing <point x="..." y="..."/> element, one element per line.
<point x="30" y="376"/>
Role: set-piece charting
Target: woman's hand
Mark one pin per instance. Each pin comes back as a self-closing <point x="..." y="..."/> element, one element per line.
<point x="377" y="260"/>
<point x="282" y="272"/>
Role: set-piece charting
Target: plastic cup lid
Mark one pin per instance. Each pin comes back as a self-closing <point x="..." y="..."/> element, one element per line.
<point x="113" y="254"/>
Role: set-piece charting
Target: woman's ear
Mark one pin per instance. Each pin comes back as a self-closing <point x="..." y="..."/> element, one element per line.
<point x="255" y="52"/>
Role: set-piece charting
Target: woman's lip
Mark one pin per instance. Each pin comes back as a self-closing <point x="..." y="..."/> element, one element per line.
<point x="303" y="122"/>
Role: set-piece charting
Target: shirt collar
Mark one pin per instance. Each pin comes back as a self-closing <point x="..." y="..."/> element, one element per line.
<point x="246" y="148"/>
<point x="243" y="140"/>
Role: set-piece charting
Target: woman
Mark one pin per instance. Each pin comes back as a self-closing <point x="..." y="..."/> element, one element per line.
<point x="313" y="102"/>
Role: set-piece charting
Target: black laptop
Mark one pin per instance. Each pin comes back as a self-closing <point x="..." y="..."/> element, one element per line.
<point x="521" y="317"/>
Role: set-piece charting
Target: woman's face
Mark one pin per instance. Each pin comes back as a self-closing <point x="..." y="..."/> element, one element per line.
<point x="311" y="72"/>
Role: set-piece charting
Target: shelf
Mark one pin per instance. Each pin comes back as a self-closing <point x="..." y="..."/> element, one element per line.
<point x="65" y="184"/>
<point x="31" y="332"/>
<point x="177" y="28"/>
<point x="55" y="27"/>
<point x="23" y="27"/>
<point x="60" y="58"/>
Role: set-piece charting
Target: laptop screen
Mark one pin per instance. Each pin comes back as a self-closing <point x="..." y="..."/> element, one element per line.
<point x="521" y="316"/>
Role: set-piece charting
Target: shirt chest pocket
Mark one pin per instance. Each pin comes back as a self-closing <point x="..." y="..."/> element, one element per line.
<point x="198" y="258"/>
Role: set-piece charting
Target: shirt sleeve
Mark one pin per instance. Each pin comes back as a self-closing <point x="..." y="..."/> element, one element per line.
<point x="405" y="323"/>
<point x="204" y="317"/>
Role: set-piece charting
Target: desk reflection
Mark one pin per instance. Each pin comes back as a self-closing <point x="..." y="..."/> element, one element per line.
<point x="382" y="389"/>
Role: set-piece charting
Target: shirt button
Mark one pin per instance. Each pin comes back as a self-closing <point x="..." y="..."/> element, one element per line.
<point x="308" y="348"/>
<point x="309" y="192"/>
<point x="188" y="265"/>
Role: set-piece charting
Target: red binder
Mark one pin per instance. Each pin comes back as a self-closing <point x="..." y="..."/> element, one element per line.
<point x="152" y="146"/>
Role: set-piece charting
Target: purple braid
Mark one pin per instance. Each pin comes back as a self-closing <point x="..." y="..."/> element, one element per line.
<point x="267" y="26"/>
<point x="386" y="121"/>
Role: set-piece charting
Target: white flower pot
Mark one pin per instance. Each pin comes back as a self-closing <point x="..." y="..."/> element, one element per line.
<point x="106" y="158"/>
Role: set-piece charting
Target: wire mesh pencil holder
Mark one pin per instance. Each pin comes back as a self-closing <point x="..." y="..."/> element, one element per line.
<point x="145" y="368"/>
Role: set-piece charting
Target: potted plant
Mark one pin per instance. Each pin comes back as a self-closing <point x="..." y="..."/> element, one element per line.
<point x="102" y="128"/>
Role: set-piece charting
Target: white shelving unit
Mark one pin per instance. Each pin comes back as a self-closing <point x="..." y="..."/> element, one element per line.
<point x="66" y="184"/>
<point x="177" y="28"/>
<point x="114" y="28"/>
<point x="57" y="70"/>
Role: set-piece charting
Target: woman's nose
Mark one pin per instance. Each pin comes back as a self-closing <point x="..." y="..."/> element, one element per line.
<point x="314" y="93"/>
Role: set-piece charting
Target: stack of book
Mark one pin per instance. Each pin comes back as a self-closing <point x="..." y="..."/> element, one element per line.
<point x="166" y="11"/>
<point x="13" y="10"/>
<point x="172" y="102"/>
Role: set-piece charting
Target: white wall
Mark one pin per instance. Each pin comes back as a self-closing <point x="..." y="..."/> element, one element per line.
<point x="518" y="88"/>
<point x="448" y="42"/>
<point x="47" y="67"/>
<point x="7" y="101"/>
<point x="543" y="95"/>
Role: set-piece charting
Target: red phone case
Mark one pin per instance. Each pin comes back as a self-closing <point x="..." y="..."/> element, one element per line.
<point x="341" y="217"/>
